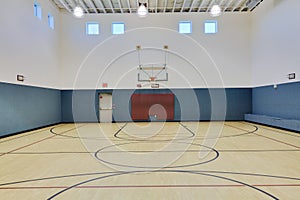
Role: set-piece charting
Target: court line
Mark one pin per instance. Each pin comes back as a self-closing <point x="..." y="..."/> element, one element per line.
<point x="275" y="129"/>
<point x="36" y="142"/>
<point x="247" y="132"/>
<point x="164" y="171"/>
<point x="147" y="186"/>
<point x="28" y="145"/>
<point x="27" y="133"/>
<point x="85" y="138"/>
<point x="279" y="141"/>
<point x="103" y="173"/>
<point x="187" y="151"/>
<point x="84" y="182"/>
<point x="116" y="135"/>
<point x="226" y="136"/>
<point x="145" y="151"/>
<point x="97" y="156"/>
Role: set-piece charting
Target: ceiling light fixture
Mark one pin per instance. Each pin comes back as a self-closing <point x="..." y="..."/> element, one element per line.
<point x="142" y="10"/>
<point x="215" y="11"/>
<point x="78" y="11"/>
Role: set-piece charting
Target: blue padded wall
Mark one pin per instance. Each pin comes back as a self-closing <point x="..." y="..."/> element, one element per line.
<point x="239" y="102"/>
<point x="283" y="102"/>
<point x="24" y="107"/>
<point x="190" y="104"/>
<point x="79" y="105"/>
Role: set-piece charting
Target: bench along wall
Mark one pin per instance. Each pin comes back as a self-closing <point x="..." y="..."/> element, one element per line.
<point x="278" y="107"/>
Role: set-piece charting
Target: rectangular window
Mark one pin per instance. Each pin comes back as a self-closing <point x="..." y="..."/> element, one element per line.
<point x="92" y="28"/>
<point x="50" y="21"/>
<point x="37" y="10"/>
<point x="118" y="28"/>
<point x="210" y="27"/>
<point x="185" y="27"/>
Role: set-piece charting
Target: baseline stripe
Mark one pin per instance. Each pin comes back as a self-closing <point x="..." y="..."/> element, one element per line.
<point x="146" y="186"/>
<point x="279" y="141"/>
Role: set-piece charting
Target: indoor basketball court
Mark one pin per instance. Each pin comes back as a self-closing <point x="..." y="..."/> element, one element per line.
<point x="150" y="99"/>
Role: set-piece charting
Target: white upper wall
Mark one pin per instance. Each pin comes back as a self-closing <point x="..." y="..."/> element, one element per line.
<point x="27" y="45"/>
<point x="195" y="60"/>
<point x="276" y="43"/>
<point x="249" y="50"/>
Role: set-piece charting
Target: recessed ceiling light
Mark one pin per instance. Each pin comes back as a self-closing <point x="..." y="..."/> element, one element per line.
<point x="142" y="10"/>
<point x="215" y="11"/>
<point x="78" y="12"/>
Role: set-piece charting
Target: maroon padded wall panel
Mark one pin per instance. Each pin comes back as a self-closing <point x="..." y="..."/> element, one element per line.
<point x="161" y="105"/>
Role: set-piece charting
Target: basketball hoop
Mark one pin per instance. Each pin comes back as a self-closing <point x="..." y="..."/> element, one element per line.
<point x="152" y="78"/>
<point x="152" y="72"/>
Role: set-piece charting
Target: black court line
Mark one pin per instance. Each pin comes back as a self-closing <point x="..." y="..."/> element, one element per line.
<point x="33" y="143"/>
<point x="157" y="167"/>
<point x="83" y="138"/>
<point x="26" y="134"/>
<point x="69" y="136"/>
<point x="275" y="129"/>
<point x="110" y="172"/>
<point x="258" y="150"/>
<point x="279" y="141"/>
<point x="162" y="171"/>
<point x="97" y="156"/>
<point x="116" y="135"/>
<point x="28" y="145"/>
<point x="246" y="132"/>
<point x="146" y="186"/>
<point x="145" y="151"/>
<point x="84" y="182"/>
<point x="165" y="171"/>
<point x="182" y="171"/>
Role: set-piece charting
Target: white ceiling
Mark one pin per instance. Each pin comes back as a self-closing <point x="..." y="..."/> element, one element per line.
<point x="156" y="6"/>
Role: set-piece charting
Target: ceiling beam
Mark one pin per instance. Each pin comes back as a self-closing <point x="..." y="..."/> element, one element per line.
<point x="71" y="3"/>
<point x="166" y="4"/>
<point x="84" y="6"/>
<point x="222" y="2"/>
<point x="129" y="6"/>
<point x="99" y="2"/>
<point x="137" y="5"/>
<point x="111" y="6"/>
<point x="210" y="5"/>
<point x="236" y="5"/>
<point x="148" y="5"/>
<point x="253" y="4"/>
<point x="192" y="5"/>
<point x="174" y="6"/>
<point x="120" y="5"/>
<point x="227" y="5"/>
<point x="65" y="5"/>
<point x="182" y="7"/>
<point x="156" y="6"/>
<point x="200" y="6"/>
<point x="91" y="5"/>
<point x="243" y="6"/>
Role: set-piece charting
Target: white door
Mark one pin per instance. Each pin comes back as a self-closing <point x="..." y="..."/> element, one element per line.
<point x="105" y="107"/>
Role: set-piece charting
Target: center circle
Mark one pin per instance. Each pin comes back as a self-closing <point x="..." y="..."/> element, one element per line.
<point x="144" y="155"/>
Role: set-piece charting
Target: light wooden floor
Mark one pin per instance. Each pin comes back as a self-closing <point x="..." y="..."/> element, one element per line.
<point x="188" y="160"/>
